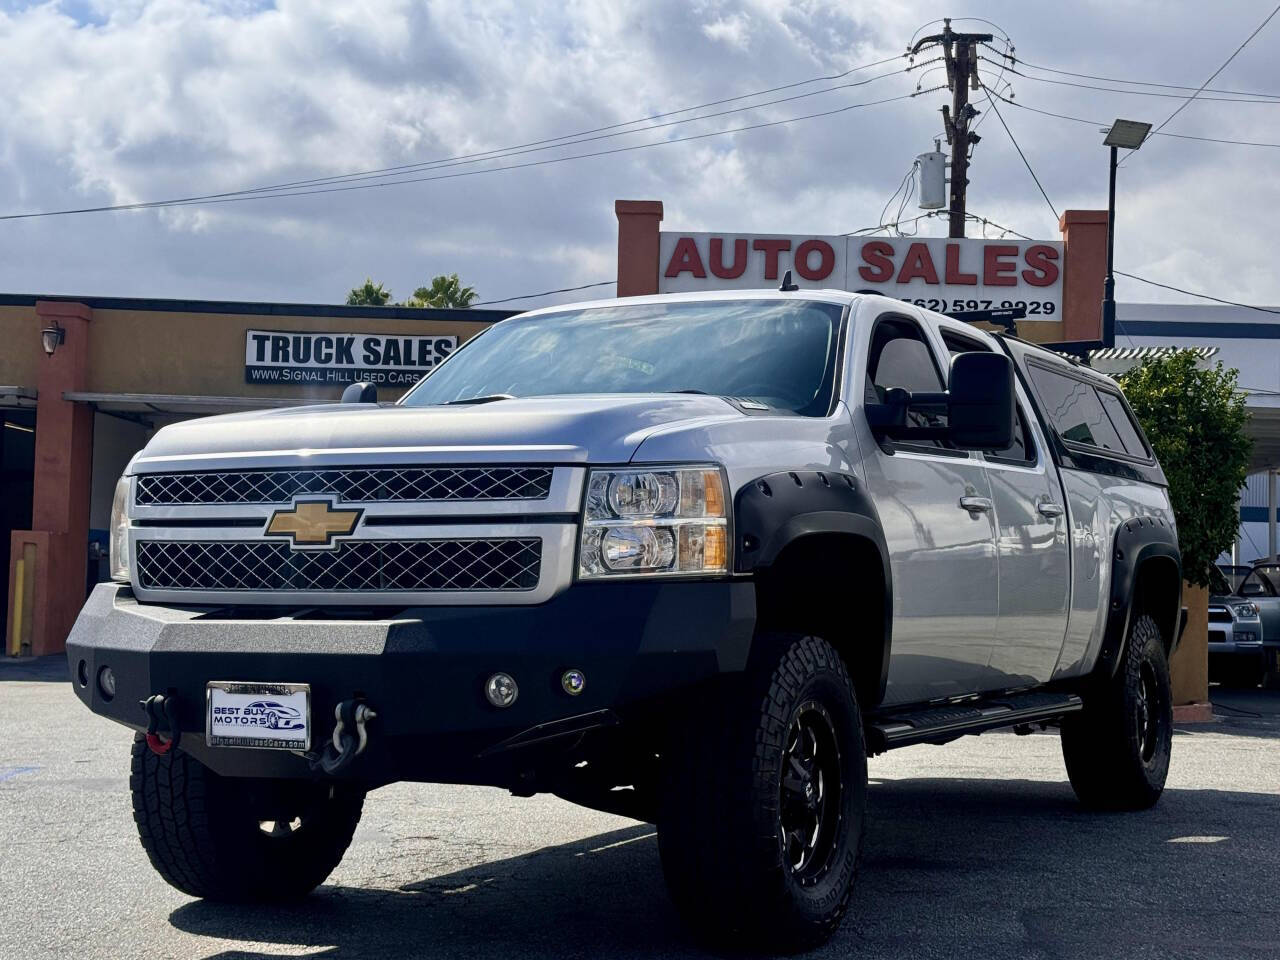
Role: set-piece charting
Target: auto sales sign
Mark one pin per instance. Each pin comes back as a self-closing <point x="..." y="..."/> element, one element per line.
<point x="950" y="276"/>
<point x="394" y="360"/>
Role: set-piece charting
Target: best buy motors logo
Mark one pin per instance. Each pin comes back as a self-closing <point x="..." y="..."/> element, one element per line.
<point x="266" y="714"/>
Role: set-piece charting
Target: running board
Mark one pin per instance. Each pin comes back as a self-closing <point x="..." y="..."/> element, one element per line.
<point x="947" y="721"/>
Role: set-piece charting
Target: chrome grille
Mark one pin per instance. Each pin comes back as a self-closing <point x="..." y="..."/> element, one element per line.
<point x="355" y="565"/>
<point x="353" y="485"/>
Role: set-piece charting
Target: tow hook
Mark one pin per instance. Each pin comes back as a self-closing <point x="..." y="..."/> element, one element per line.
<point x="350" y="736"/>
<point x="161" y="710"/>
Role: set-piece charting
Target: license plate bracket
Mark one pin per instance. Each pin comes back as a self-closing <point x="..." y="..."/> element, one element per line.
<point x="262" y="716"/>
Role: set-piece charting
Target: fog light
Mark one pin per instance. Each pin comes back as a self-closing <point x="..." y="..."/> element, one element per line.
<point x="573" y="681"/>
<point x="107" y="683"/>
<point x="82" y="673"/>
<point x="501" y="690"/>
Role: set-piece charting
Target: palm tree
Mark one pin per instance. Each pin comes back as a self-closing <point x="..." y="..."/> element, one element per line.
<point x="369" y="295"/>
<point x="445" y="291"/>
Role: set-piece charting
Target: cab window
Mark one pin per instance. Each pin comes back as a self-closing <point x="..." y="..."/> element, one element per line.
<point x="901" y="357"/>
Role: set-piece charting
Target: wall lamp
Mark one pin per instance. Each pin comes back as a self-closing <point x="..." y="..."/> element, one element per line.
<point x="52" y="336"/>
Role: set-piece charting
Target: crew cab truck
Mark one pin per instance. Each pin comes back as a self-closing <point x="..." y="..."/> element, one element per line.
<point x="690" y="558"/>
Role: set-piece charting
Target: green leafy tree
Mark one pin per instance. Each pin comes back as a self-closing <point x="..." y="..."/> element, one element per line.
<point x="1195" y="420"/>
<point x="369" y="295"/>
<point x="445" y="291"/>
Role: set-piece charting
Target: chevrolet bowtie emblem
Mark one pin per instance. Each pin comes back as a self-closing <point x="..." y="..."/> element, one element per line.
<point x="312" y="523"/>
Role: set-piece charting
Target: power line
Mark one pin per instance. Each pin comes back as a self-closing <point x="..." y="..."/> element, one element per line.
<point x="238" y="197"/>
<point x="1025" y="161"/>
<point x="545" y="293"/>
<point x="1265" y="98"/>
<point x="1212" y="76"/>
<point x="896" y="223"/>
<point x="1138" y="83"/>
<point x="1102" y="123"/>
<point x="1193" y="293"/>
<point x="568" y="140"/>
<point x="1156" y="283"/>
<point x="497" y="153"/>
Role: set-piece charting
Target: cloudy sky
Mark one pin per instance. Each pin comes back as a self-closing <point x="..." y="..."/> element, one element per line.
<point x="139" y="100"/>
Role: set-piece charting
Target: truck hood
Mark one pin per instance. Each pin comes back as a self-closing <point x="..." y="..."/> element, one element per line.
<point x="567" y="429"/>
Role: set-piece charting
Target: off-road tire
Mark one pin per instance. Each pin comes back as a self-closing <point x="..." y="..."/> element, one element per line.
<point x="1118" y="756"/>
<point x="204" y="833"/>
<point x="723" y="803"/>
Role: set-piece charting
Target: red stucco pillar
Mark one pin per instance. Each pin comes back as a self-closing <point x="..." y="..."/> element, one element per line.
<point x="1085" y="234"/>
<point x="638" y="222"/>
<point x="55" y="550"/>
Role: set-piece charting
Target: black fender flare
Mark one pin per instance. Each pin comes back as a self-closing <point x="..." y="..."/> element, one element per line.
<point x="774" y="511"/>
<point x="1136" y="541"/>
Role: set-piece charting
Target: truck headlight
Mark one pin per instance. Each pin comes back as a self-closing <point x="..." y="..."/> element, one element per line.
<point x="1245" y="611"/>
<point x="119" y="552"/>
<point x="655" y="522"/>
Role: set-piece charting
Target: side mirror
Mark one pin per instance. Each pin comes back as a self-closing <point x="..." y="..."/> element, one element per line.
<point x="360" y="392"/>
<point x="980" y="401"/>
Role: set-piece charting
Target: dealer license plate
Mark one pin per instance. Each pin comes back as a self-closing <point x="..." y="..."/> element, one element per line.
<point x="273" y="716"/>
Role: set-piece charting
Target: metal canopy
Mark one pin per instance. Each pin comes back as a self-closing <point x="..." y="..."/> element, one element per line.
<point x="180" y="404"/>
<point x="11" y="396"/>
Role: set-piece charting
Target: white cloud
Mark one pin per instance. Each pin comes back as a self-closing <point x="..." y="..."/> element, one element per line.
<point x="127" y="101"/>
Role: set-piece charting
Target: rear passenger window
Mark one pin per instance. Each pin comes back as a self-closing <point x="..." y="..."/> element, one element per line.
<point x="1123" y="422"/>
<point x="1075" y="410"/>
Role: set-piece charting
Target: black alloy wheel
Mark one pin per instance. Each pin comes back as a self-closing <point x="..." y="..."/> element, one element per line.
<point x="809" y="809"/>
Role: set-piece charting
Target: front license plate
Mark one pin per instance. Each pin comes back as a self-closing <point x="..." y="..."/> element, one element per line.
<point x="272" y="716"/>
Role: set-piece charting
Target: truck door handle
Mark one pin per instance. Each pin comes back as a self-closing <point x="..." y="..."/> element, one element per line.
<point x="1047" y="508"/>
<point x="976" y="505"/>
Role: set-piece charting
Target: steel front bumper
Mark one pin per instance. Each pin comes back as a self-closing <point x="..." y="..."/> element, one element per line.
<point x="422" y="668"/>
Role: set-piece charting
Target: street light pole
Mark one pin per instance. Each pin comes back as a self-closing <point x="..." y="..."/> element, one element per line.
<point x="1128" y="134"/>
<point x="1109" y="284"/>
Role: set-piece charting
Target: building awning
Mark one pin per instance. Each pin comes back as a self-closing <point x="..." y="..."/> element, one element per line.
<point x="1115" y="360"/>
<point x="145" y="403"/>
<point x="17" y="396"/>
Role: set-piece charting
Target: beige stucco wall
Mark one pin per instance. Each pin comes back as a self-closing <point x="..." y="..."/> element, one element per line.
<point x="161" y="352"/>
<point x="203" y="353"/>
<point x="20" y="351"/>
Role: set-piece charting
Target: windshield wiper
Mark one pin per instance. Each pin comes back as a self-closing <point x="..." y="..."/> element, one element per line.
<point x="487" y="398"/>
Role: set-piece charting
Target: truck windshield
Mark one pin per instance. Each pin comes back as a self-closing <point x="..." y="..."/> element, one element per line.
<point x="781" y="353"/>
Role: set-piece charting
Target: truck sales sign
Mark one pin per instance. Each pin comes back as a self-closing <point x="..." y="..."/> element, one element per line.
<point x="284" y="356"/>
<point x="950" y="276"/>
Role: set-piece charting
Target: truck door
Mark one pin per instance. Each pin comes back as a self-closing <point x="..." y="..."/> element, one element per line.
<point x="1033" y="551"/>
<point x="939" y="524"/>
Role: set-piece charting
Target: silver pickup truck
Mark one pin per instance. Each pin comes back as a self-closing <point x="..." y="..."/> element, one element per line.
<point x="688" y="558"/>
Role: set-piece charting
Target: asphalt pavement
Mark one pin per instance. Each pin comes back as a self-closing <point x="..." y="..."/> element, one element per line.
<point x="974" y="849"/>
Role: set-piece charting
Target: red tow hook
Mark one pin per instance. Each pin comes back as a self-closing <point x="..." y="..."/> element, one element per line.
<point x="161" y="709"/>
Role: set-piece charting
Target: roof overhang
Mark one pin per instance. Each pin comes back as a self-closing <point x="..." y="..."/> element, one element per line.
<point x="185" y="404"/>
<point x="12" y="396"/>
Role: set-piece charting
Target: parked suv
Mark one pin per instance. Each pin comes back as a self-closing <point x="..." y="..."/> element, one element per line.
<point x="688" y="558"/>
<point x="1253" y="654"/>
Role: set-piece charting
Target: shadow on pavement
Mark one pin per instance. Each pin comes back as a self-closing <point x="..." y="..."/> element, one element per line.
<point x="50" y="669"/>
<point x="952" y="868"/>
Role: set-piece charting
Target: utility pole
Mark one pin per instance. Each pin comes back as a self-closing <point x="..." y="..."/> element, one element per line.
<point x="961" y="55"/>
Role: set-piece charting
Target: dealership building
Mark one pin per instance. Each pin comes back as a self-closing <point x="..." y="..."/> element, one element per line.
<point x="86" y="381"/>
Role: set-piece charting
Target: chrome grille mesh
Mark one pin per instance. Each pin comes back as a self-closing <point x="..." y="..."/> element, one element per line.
<point x="353" y="485"/>
<point x="356" y="565"/>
